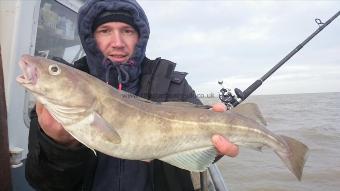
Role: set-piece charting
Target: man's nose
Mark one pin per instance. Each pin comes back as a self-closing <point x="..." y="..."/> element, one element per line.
<point x="117" y="40"/>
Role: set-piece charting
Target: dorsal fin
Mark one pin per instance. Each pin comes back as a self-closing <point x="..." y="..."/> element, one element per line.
<point x="250" y="110"/>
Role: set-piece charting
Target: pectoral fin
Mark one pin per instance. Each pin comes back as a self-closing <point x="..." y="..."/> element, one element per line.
<point x="196" y="160"/>
<point x="104" y="129"/>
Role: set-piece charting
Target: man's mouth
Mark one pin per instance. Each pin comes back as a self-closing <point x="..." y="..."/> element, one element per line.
<point x="121" y="58"/>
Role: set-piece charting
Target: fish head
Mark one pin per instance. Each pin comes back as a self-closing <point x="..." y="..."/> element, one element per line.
<point x="54" y="82"/>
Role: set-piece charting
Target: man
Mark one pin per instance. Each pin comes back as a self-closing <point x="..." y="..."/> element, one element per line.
<point x="114" y="35"/>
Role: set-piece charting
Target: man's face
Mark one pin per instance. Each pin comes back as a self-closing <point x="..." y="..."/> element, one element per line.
<point x="116" y="40"/>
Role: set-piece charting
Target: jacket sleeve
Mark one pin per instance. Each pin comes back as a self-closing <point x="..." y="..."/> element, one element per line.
<point x="50" y="166"/>
<point x="190" y="94"/>
<point x="180" y="90"/>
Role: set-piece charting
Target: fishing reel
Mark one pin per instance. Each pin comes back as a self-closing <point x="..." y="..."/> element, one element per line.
<point x="228" y="97"/>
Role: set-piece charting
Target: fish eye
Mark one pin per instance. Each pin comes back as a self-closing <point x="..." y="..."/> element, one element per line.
<point x="54" y="69"/>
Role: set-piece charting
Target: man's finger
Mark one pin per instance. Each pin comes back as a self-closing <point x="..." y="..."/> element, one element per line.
<point x="219" y="107"/>
<point x="224" y="146"/>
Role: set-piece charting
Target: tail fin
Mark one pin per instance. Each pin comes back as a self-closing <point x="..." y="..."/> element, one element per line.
<point x="295" y="157"/>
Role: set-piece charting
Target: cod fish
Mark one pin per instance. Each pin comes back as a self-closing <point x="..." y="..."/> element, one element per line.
<point x="126" y="126"/>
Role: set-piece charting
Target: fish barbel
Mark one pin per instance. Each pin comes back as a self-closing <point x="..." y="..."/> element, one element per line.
<point x="126" y="126"/>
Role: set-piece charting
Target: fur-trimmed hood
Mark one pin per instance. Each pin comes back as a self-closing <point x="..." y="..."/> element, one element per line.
<point x="95" y="59"/>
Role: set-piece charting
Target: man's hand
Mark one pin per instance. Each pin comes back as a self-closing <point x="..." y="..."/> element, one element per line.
<point x="223" y="146"/>
<point x="52" y="128"/>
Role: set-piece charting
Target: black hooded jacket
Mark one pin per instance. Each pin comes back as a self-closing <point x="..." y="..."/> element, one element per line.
<point x="50" y="166"/>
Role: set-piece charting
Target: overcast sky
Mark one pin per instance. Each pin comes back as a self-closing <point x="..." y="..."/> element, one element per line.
<point x="239" y="41"/>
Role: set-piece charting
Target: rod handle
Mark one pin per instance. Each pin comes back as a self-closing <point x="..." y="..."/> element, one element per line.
<point x="251" y="89"/>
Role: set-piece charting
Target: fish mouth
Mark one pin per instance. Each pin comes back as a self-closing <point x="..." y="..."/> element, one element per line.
<point x="30" y="72"/>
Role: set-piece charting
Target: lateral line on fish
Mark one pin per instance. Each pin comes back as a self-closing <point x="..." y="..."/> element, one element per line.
<point x="238" y="127"/>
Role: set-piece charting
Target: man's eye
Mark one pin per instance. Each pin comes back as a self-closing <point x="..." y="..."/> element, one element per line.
<point x="103" y="31"/>
<point x="129" y="31"/>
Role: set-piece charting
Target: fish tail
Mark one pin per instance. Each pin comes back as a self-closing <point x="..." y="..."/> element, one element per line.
<point x="295" y="156"/>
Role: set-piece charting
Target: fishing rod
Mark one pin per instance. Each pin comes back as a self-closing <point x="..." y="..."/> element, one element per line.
<point x="231" y="100"/>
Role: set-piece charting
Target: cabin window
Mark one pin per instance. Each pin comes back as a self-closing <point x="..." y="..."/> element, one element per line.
<point x="57" y="35"/>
